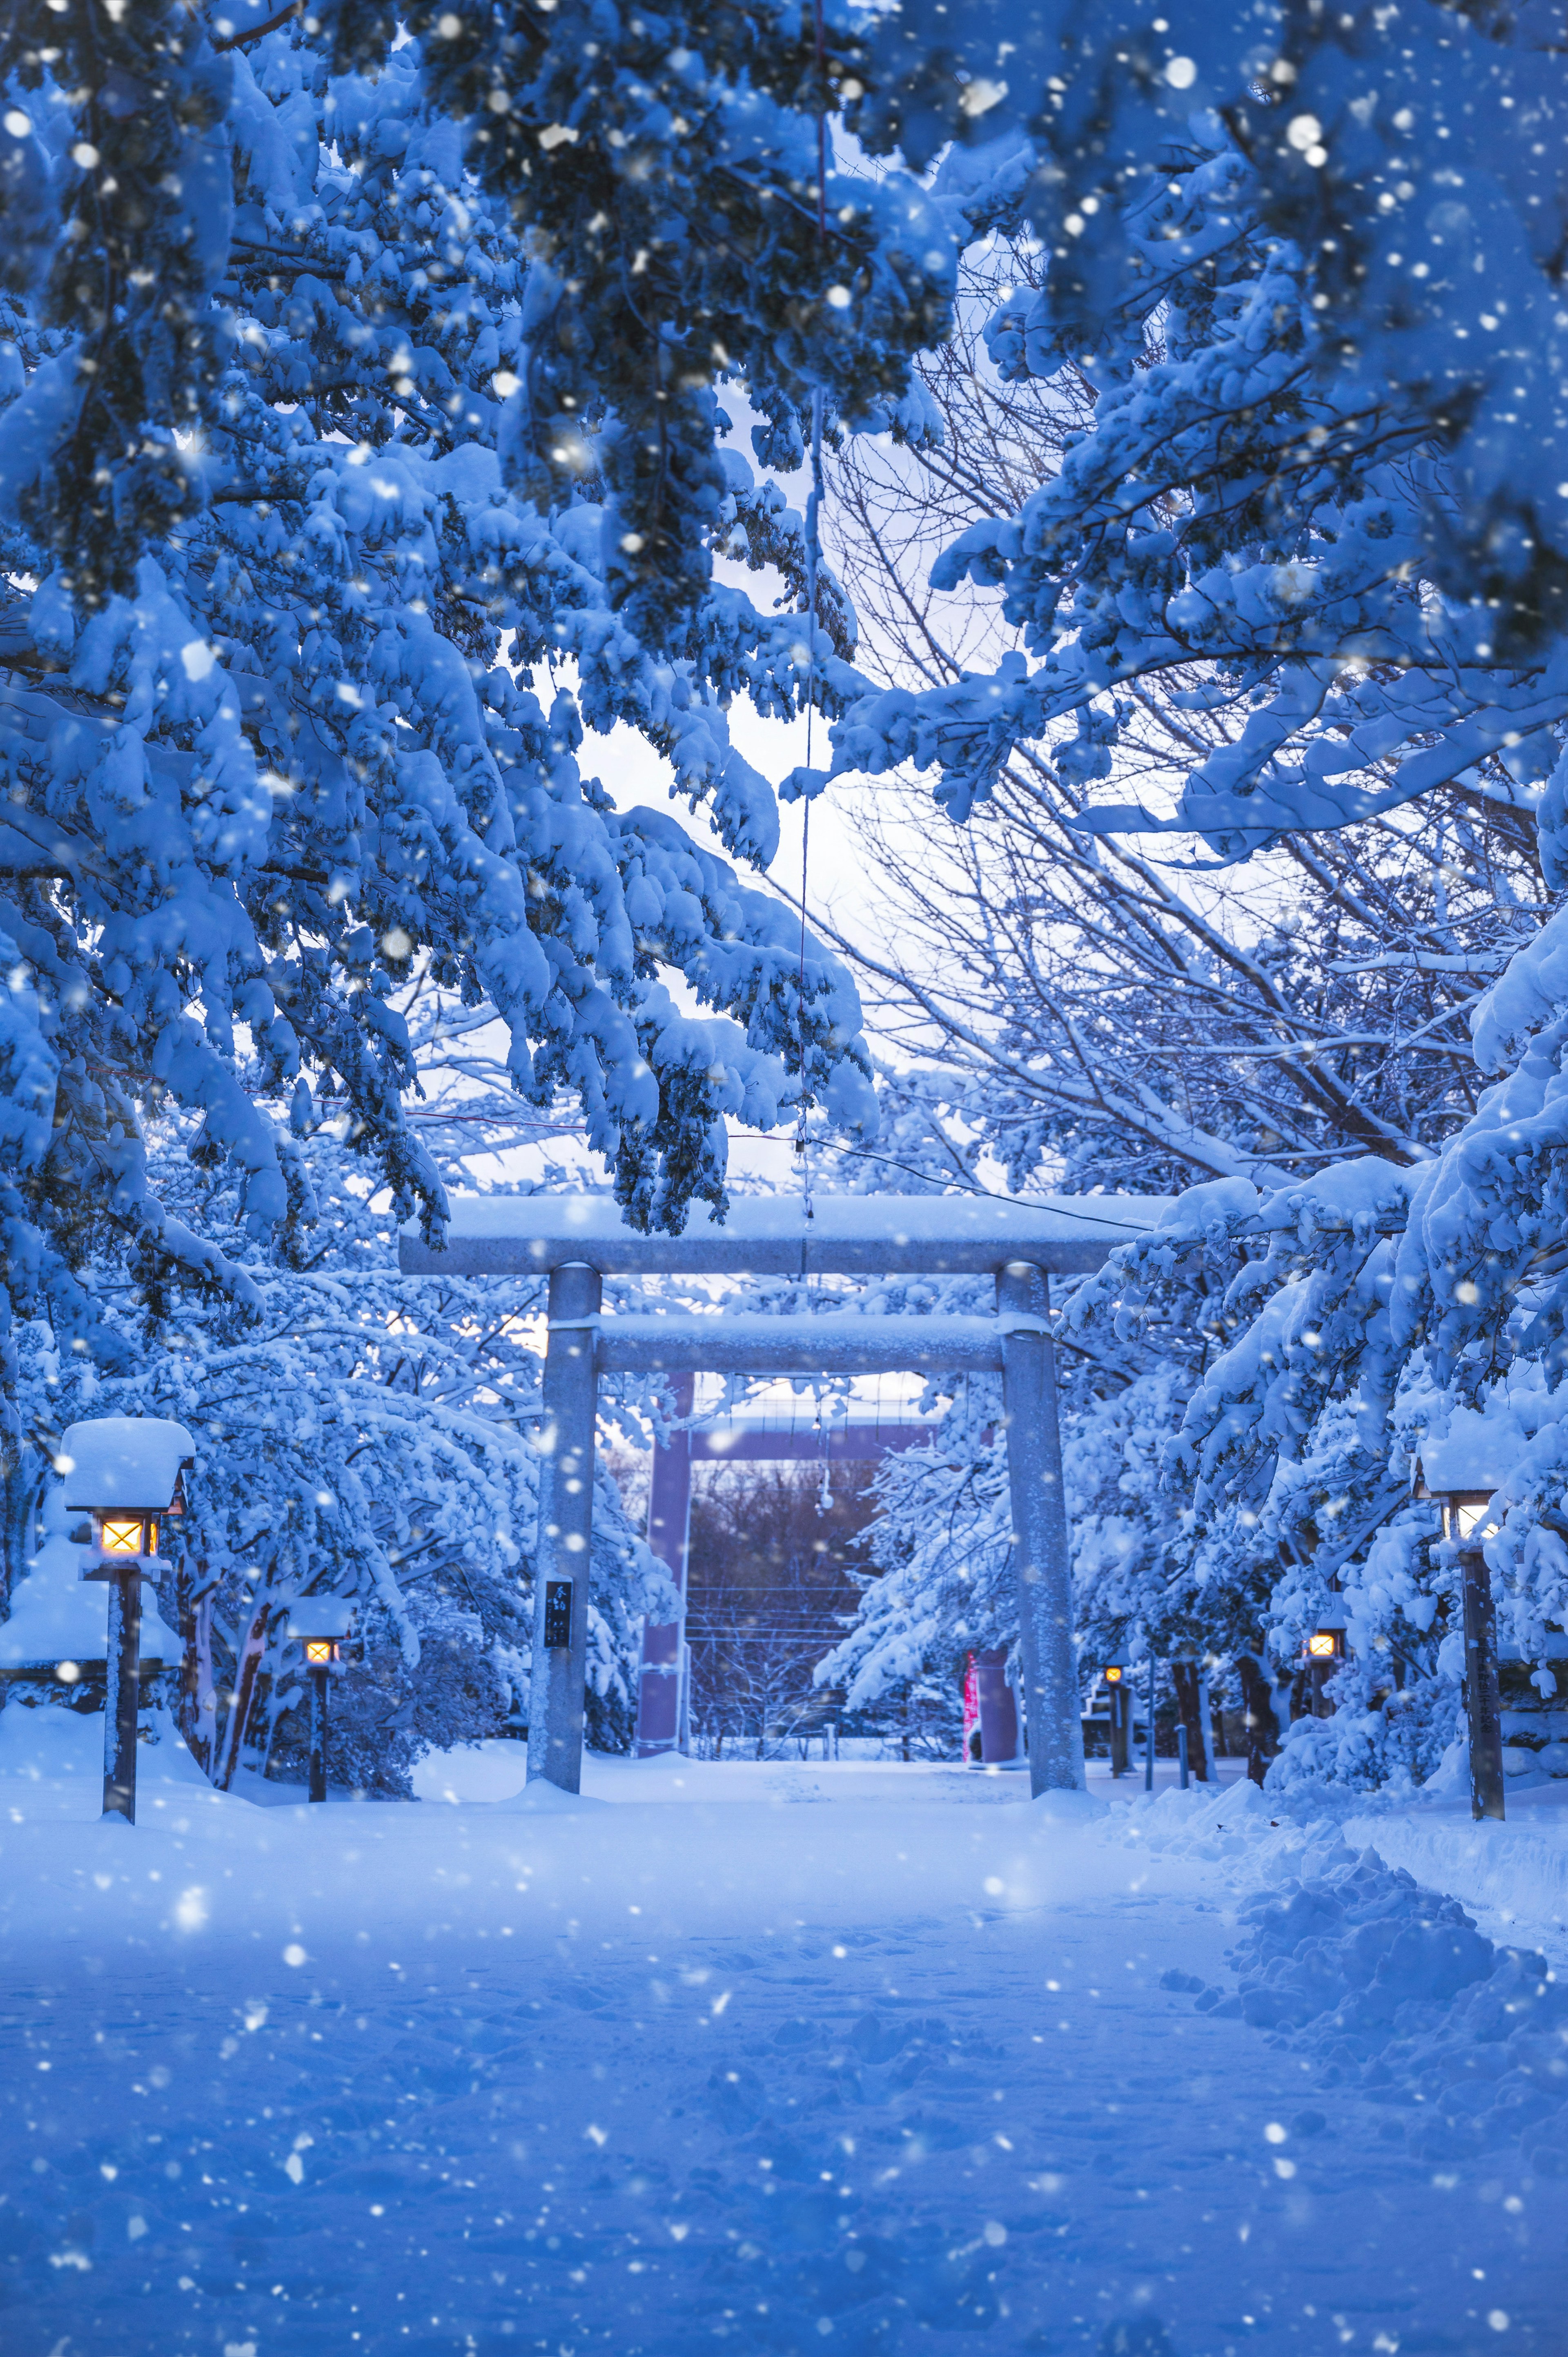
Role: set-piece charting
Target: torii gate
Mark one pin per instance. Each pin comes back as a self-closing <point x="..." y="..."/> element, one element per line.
<point x="579" y="1240"/>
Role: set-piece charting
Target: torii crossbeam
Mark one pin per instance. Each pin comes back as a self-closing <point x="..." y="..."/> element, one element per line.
<point x="579" y="1240"/>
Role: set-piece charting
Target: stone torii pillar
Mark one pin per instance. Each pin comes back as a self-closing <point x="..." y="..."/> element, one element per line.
<point x="565" y="1528"/>
<point x="1042" y="1550"/>
<point x="578" y="1240"/>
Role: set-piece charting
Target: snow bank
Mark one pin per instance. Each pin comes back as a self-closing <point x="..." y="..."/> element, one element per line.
<point x="1208" y="1821"/>
<point x="48" y="1746"/>
<point x="1514" y="1873"/>
<point x="1386" y="1984"/>
<point x="493" y="1769"/>
<point x="1393" y="1989"/>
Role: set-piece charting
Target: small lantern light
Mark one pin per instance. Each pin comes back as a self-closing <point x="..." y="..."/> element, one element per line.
<point x="1113" y="1673"/>
<point x="127" y="1472"/>
<point x="321" y="1623"/>
<point x="1461" y="1475"/>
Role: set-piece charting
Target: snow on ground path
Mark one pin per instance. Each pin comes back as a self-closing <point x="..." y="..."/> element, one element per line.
<point x="657" y="2077"/>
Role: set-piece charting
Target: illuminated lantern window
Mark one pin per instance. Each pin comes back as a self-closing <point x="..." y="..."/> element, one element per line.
<point x="1326" y="1641"/>
<point x="1464" y="1516"/>
<point x="123" y="1535"/>
<point x="320" y="1651"/>
<point x="1113" y="1673"/>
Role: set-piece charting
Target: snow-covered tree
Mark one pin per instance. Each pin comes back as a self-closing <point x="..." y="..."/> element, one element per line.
<point x="1306" y="264"/>
<point x="368" y="1437"/>
<point x="289" y="549"/>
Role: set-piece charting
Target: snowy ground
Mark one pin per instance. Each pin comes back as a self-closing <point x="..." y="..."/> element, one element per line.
<point x="767" y="2060"/>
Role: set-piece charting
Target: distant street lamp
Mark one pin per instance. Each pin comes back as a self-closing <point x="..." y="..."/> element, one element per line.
<point x="1458" y="1475"/>
<point x="1115" y="1676"/>
<point x="125" y="1471"/>
<point x="321" y="1623"/>
<point x="1324" y="1648"/>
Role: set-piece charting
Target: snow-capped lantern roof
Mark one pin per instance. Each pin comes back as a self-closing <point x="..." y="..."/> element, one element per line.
<point x="321" y="1617"/>
<point x="124" y="1464"/>
<point x="1471" y="1460"/>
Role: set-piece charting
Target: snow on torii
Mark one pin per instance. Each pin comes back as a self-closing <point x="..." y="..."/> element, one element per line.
<point x="579" y="1240"/>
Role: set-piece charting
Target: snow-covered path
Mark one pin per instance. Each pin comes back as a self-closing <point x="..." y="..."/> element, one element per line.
<point x="671" y="2073"/>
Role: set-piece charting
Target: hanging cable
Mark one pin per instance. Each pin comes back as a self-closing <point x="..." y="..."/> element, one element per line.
<point x="813" y="505"/>
<point x="813" y="525"/>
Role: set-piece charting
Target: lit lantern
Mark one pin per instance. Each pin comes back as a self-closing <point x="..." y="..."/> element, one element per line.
<point x="1326" y="1641"/>
<point x="127" y="1472"/>
<point x="1461" y="1475"/>
<point x="320" y="1624"/>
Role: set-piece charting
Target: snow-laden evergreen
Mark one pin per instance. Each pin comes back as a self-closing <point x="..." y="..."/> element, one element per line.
<point x="284" y="715"/>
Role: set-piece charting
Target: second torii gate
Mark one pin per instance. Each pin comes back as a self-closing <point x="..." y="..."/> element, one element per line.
<point x="579" y="1240"/>
<point x="661" y="1678"/>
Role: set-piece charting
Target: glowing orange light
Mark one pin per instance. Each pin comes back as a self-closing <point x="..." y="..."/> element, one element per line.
<point x="1322" y="1645"/>
<point x="1113" y="1676"/>
<point x="318" y="1650"/>
<point x="122" y="1534"/>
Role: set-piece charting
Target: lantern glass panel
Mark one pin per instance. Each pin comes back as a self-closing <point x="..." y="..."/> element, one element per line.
<point x="1466" y="1516"/>
<point x="1322" y="1645"/>
<point x="1113" y="1676"/>
<point x="122" y="1534"/>
<point x="318" y="1650"/>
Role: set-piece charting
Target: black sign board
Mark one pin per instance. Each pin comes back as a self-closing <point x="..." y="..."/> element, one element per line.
<point x="557" y="1612"/>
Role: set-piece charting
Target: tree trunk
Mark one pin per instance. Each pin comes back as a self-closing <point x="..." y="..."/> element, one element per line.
<point x="19" y="1493"/>
<point x="245" y="1670"/>
<point x="189" y="1708"/>
<point x="1189" y="1712"/>
<point x="203" y="1735"/>
<point x="1258" y="1708"/>
<point x="1212" y="1744"/>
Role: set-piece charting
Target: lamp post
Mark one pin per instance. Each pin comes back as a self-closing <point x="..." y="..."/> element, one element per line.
<point x="126" y="1473"/>
<point x="320" y="1624"/>
<point x="1452" y="1473"/>
<point x="1115" y="1676"/>
<point x="1325" y="1646"/>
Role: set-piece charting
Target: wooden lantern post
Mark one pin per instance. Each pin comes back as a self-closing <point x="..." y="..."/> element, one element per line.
<point x="126" y="1473"/>
<point x="1455" y="1476"/>
<point x="319" y="1625"/>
